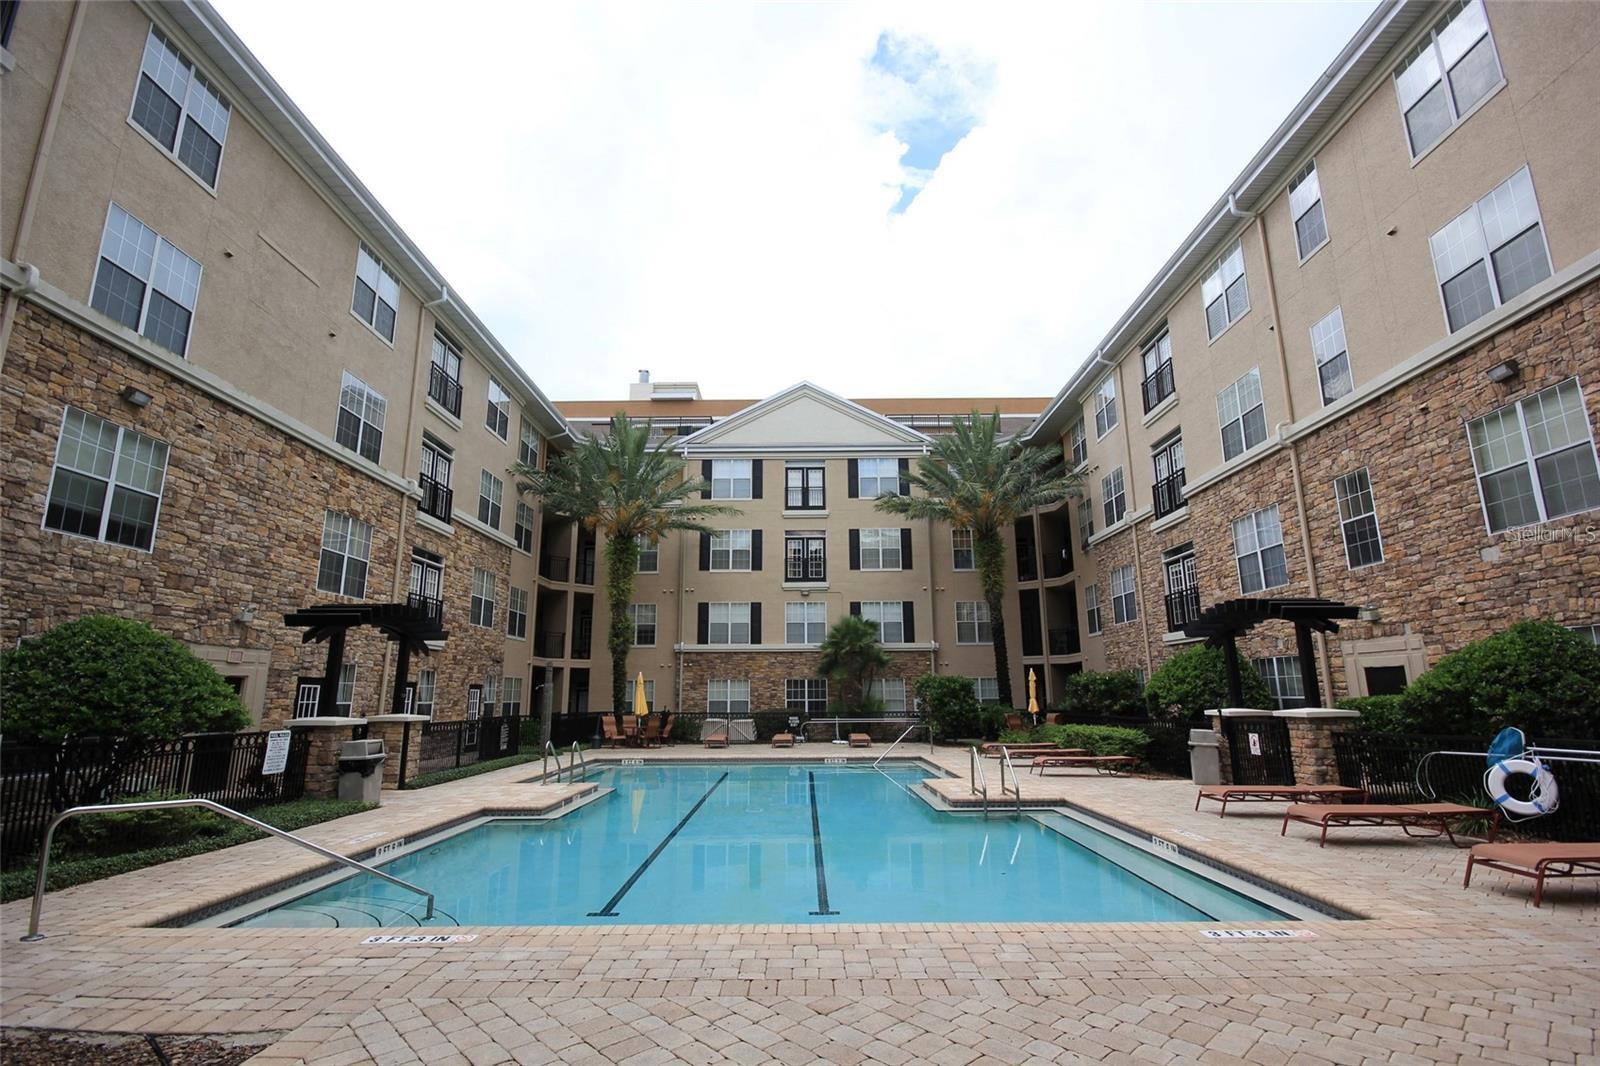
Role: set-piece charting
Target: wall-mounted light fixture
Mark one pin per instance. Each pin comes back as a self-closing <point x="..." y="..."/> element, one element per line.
<point x="1369" y="613"/>
<point x="136" y="396"/>
<point x="1503" y="372"/>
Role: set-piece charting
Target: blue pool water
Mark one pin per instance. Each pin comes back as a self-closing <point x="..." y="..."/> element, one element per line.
<point x="781" y="844"/>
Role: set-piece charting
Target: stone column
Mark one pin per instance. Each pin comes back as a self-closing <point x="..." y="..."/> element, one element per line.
<point x="1311" y="732"/>
<point x="327" y="734"/>
<point x="391" y="729"/>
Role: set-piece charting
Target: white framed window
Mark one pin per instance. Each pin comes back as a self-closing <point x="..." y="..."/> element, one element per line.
<point x="1078" y="443"/>
<point x="491" y="695"/>
<point x="377" y="294"/>
<point x="727" y="698"/>
<point x="805" y="622"/>
<point x="180" y="110"/>
<point x="729" y="623"/>
<point x="891" y="692"/>
<point x="649" y="554"/>
<point x="344" y="697"/>
<point x="107" y="482"/>
<point x="1305" y="208"/>
<point x="1282" y="675"/>
<point x="1591" y="632"/>
<point x="730" y="549"/>
<point x="1358" y="520"/>
<point x="1535" y="459"/>
<point x="1124" y="596"/>
<point x="1243" y="414"/>
<point x="427" y="578"/>
<point x="490" y="492"/>
<point x="1091" y="608"/>
<point x="427" y="687"/>
<point x="731" y="479"/>
<point x="880" y="549"/>
<point x="891" y="618"/>
<point x="361" y="417"/>
<point x="497" y="415"/>
<point x="1113" y="497"/>
<point x="877" y="477"/>
<point x="962" y="556"/>
<point x="517" y="614"/>
<point x="145" y="282"/>
<point x="444" y="375"/>
<point x="1332" y="354"/>
<point x="806" y="695"/>
<point x="643" y="616"/>
<point x="1085" y="521"/>
<point x="482" y="598"/>
<point x="307" y="697"/>
<point x="438" y="464"/>
<point x="1448" y="74"/>
<point x="972" y="622"/>
<point x="1158" y="382"/>
<point x="1225" y="292"/>
<point x="804" y="487"/>
<point x="1105" y="406"/>
<point x="346" y="549"/>
<point x="524" y="528"/>
<point x="527" y="442"/>
<point x="511" y="695"/>
<point x="1490" y="253"/>
<point x="987" y="689"/>
<point x="1258" y="549"/>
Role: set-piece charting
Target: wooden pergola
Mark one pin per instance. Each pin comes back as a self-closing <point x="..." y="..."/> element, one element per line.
<point x="410" y="625"/>
<point x="1221" y="624"/>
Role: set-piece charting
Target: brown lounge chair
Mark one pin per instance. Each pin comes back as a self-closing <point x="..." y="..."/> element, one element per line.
<point x="1109" y="765"/>
<point x="783" y="740"/>
<point x="666" y="729"/>
<point x="860" y="740"/>
<point x="1031" y="747"/>
<point x="1434" y="819"/>
<point x="718" y="739"/>
<point x="608" y="724"/>
<point x="1537" y="861"/>
<point x="651" y="736"/>
<point x="1227" y="794"/>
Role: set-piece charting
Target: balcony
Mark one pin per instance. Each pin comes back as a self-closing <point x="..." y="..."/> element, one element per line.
<point x="554" y="567"/>
<point x="1158" y="386"/>
<point x="550" y="645"/>
<point x="1183" y="607"/>
<point x="585" y="568"/>
<point x="812" y="566"/>
<point x="1169" y="493"/>
<point x="432" y="606"/>
<point x="436" y="498"/>
<point x="1065" y="641"/>
<point x="444" y="390"/>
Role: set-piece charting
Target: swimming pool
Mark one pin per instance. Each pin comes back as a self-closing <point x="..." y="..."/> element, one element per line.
<point x="763" y="843"/>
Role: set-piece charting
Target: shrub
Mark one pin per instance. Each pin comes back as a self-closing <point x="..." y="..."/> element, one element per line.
<point x="456" y="773"/>
<point x="1538" y="676"/>
<point x="111" y="678"/>
<point x="950" y="704"/>
<point x="1196" y="680"/>
<point x="122" y="831"/>
<point x="1379" y="714"/>
<point x="1098" y="739"/>
<point x="1113" y="693"/>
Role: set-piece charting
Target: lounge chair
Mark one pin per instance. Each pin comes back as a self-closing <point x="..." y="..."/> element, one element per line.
<point x="1109" y="765"/>
<point x="667" y="723"/>
<point x="651" y="737"/>
<point x="860" y="740"/>
<point x="1538" y="861"/>
<point x="783" y="740"/>
<point x="1415" y="819"/>
<point x="1226" y="794"/>
<point x="717" y="738"/>
<point x="611" y="736"/>
<point x="1027" y="748"/>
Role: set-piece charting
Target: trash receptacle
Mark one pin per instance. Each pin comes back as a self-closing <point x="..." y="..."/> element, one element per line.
<point x="1205" y="758"/>
<point x="361" y="770"/>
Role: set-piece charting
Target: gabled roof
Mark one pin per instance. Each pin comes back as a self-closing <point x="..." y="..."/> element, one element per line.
<point x="807" y="418"/>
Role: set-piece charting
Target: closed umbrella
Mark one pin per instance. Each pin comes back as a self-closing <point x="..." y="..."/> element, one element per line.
<point x="1033" y="695"/>
<point x="641" y="706"/>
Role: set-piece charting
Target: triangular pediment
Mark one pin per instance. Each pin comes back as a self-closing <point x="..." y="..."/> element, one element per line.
<point x="805" y="417"/>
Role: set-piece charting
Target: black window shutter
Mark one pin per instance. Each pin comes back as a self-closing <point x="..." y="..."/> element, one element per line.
<point x="703" y="624"/>
<point x="755" y="478"/>
<point x="855" y="608"/>
<point x="905" y="549"/>
<point x="855" y="478"/>
<point x="755" y="623"/>
<point x="907" y="609"/>
<point x="755" y="549"/>
<point x="705" y="472"/>
<point x="705" y="551"/>
<point x="905" y="482"/>
<point x="855" y="549"/>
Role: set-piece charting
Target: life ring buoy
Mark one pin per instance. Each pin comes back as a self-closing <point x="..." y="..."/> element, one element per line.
<point x="1543" y="798"/>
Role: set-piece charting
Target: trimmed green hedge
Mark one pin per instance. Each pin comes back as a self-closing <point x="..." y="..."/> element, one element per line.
<point x="69" y="866"/>
<point x="1103" y="694"/>
<point x="456" y="773"/>
<point x="1096" y="739"/>
<point x="1379" y="714"/>
<point x="1196" y="680"/>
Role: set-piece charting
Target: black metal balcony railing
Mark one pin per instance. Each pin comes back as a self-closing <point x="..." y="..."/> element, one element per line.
<point x="437" y="498"/>
<point x="812" y="566"/>
<point x="585" y="568"/>
<point x="444" y="390"/>
<point x="431" y="605"/>
<point x="1169" y="493"/>
<point x="1027" y="565"/>
<point x="1158" y="386"/>
<point x="554" y="567"/>
<point x="1065" y="641"/>
<point x="580" y="648"/>
<point x="550" y="645"/>
<point x="1183" y="607"/>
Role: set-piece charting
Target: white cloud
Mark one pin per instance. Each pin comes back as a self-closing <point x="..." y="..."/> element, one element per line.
<point x="705" y="190"/>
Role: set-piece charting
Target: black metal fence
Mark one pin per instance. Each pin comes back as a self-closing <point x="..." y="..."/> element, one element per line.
<point x="38" y="782"/>
<point x="448" y="745"/>
<point x="1386" y="765"/>
<point x="1169" y="738"/>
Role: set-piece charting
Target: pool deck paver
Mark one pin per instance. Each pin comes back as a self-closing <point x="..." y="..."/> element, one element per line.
<point x="1435" y="974"/>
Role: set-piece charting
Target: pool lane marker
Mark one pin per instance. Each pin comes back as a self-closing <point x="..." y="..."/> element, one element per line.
<point x="816" y="843"/>
<point x="610" y="909"/>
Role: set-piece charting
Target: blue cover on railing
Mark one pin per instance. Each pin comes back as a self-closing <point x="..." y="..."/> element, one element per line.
<point x="1507" y="744"/>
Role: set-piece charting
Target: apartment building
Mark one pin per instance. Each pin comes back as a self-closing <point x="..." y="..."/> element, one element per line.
<point x="1371" y="373"/>
<point x="731" y="623"/>
<point x="233" y="386"/>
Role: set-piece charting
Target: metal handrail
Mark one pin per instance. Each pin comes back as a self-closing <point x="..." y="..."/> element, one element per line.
<point x="576" y="755"/>
<point x="544" y="766"/>
<point x="980" y="782"/>
<point x="217" y="808"/>
<point x="1016" y="784"/>
<point x="913" y="727"/>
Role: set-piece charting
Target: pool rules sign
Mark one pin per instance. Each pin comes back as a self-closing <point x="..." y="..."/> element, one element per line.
<point x="277" y="756"/>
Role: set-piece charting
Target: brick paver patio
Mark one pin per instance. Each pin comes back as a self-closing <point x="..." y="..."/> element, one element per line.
<point x="1434" y="973"/>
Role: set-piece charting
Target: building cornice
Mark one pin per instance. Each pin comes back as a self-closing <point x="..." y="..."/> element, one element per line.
<point x="926" y="645"/>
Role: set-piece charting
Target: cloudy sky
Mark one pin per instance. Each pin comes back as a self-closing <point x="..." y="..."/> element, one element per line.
<point x="887" y="198"/>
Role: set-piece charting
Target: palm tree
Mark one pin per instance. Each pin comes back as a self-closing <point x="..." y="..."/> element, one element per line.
<point x="975" y="479"/>
<point x="851" y="654"/>
<point x="621" y="487"/>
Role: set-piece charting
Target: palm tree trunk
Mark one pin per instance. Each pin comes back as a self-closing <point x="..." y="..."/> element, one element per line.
<point x="622" y="563"/>
<point x="991" y="553"/>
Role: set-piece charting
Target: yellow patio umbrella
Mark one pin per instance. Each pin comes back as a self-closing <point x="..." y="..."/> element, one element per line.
<point x="641" y="706"/>
<point x="1033" y="694"/>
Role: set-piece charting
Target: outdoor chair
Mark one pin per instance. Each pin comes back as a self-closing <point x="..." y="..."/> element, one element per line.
<point x="667" y="722"/>
<point x="1106" y="765"/>
<point x="651" y="737"/>
<point x="1538" y="861"/>
<point x="1414" y="819"/>
<point x="783" y="740"/>
<point x="860" y="740"/>
<point x="611" y="736"/>
<point x="718" y="738"/>
<point x="1226" y="794"/>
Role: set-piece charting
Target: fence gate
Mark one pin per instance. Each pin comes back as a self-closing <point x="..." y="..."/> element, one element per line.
<point x="1258" y="751"/>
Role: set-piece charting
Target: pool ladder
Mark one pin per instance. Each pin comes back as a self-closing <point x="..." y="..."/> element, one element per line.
<point x="577" y="766"/>
<point x="980" y="781"/>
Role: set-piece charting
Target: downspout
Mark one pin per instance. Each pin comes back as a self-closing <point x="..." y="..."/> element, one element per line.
<point x="1129" y="481"/>
<point x="13" y="300"/>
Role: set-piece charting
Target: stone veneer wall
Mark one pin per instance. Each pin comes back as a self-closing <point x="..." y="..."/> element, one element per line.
<point x="472" y="653"/>
<point x="768" y="670"/>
